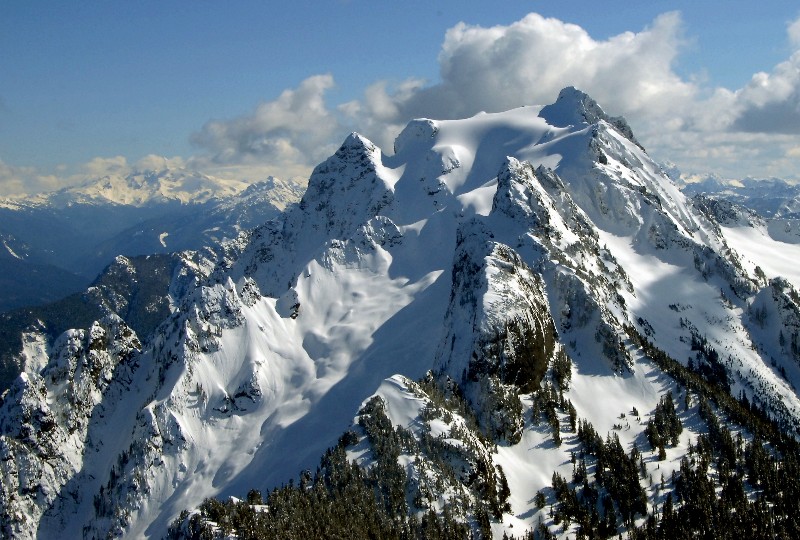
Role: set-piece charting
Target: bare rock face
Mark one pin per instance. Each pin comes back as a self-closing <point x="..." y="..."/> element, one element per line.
<point x="498" y="319"/>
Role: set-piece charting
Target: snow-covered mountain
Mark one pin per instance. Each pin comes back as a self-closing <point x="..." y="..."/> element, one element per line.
<point x="139" y="188"/>
<point x="473" y="299"/>
<point x="54" y="244"/>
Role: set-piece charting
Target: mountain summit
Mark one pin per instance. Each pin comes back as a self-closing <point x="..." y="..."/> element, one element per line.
<point x="457" y="316"/>
<point x="573" y="108"/>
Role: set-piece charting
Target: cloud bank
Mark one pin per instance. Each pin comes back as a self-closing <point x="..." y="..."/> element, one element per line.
<point x="288" y="133"/>
<point x="529" y="61"/>
<point x="24" y="180"/>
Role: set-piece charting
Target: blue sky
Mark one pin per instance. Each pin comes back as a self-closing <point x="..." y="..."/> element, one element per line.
<point x="253" y="88"/>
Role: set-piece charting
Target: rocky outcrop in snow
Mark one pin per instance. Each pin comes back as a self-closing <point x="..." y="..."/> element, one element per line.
<point x="49" y="420"/>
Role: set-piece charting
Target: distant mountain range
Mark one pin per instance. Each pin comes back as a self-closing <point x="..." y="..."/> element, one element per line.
<point x="769" y="197"/>
<point x="54" y="244"/>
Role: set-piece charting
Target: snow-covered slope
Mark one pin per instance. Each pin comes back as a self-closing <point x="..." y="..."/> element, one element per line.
<point x="758" y="217"/>
<point x="510" y="255"/>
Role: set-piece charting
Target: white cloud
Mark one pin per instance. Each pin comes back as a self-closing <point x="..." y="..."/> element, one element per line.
<point x="482" y="69"/>
<point x="292" y="132"/>
<point x="153" y="162"/>
<point x="770" y="103"/>
<point x="730" y="154"/>
<point x="22" y="180"/>
<point x="794" y="33"/>
<point x="119" y="166"/>
<point x="10" y="181"/>
<point x="17" y="181"/>
<point x="529" y="61"/>
<point x="101" y="166"/>
<point x="380" y="116"/>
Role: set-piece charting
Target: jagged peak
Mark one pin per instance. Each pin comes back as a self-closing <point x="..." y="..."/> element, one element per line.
<point x="355" y="143"/>
<point x="346" y="190"/>
<point x="472" y="230"/>
<point x="549" y="178"/>
<point x="357" y="153"/>
<point x="574" y="107"/>
<point x="727" y="212"/>
<point x="521" y="192"/>
<point x="515" y="176"/>
<point x="516" y="171"/>
<point x="511" y="167"/>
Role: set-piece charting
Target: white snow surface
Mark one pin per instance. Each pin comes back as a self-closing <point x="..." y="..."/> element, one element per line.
<point x="758" y="247"/>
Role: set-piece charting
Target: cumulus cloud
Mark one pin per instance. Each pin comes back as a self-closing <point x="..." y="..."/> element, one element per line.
<point x="153" y="162"/>
<point x="101" y="166"/>
<point x="119" y="166"/>
<point x="529" y="61"/>
<point x="770" y="103"/>
<point x="482" y="69"/>
<point x="15" y="181"/>
<point x="794" y="33"/>
<point x="380" y="115"/>
<point x="291" y="132"/>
